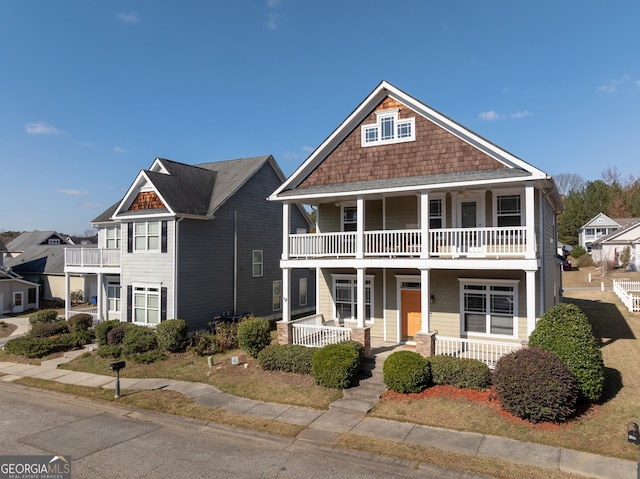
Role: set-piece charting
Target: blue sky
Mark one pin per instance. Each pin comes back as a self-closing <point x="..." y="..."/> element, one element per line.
<point x="92" y="91"/>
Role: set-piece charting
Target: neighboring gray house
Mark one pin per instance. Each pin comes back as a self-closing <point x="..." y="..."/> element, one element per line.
<point x="612" y="246"/>
<point x="194" y="242"/>
<point x="599" y="226"/>
<point x="38" y="256"/>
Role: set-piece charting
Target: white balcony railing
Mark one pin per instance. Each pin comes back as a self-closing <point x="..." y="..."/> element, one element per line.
<point x="91" y="257"/>
<point x="488" y="352"/>
<point x="447" y="242"/>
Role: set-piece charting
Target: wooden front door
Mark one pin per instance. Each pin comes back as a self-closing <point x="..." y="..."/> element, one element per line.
<point x="411" y="312"/>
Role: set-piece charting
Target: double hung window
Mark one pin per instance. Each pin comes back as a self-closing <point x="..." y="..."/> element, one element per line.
<point x="509" y="210"/>
<point x="345" y="298"/>
<point x="489" y="307"/>
<point x="146" y="236"/>
<point x="146" y="305"/>
<point x="112" y="237"/>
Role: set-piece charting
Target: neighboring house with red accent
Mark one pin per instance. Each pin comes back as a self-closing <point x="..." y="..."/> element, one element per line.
<point x="426" y="233"/>
<point x="614" y="246"/>
<point x="193" y="242"/>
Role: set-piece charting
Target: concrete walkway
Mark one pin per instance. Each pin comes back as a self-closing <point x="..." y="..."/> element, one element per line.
<point x="325" y="426"/>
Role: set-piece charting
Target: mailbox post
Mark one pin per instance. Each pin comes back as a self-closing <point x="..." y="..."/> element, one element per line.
<point x="117" y="366"/>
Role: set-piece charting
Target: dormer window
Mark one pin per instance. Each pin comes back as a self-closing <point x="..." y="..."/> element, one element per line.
<point x="388" y="129"/>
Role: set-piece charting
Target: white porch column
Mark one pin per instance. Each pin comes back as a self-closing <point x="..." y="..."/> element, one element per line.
<point x="286" y="293"/>
<point x="425" y="299"/>
<point x="424" y="224"/>
<point x="100" y="297"/>
<point x="67" y="295"/>
<point x="530" y="220"/>
<point x="360" y="229"/>
<point x="360" y="313"/>
<point x="531" y="301"/>
<point x="286" y="218"/>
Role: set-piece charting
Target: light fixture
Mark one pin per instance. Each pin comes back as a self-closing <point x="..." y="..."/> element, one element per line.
<point x="432" y="299"/>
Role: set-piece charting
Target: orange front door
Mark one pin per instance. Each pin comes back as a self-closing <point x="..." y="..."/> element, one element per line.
<point x="411" y="312"/>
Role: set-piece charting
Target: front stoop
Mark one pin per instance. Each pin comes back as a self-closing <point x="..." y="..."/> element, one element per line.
<point x="361" y="397"/>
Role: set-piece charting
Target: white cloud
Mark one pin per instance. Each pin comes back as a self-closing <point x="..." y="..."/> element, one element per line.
<point x="273" y="21"/>
<point x="612" y="86"/>
<point x="130" y="17"/>
<point x="41" y="128"/>
<point x="274" y="3"/>
<point x="519" y="115"/>
<point x="490" y="116"/>
<point x="118" y="149"/>
<point x="72" y="192"/>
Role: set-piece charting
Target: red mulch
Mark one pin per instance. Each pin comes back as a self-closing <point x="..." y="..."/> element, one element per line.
<point x="487" y="397"/>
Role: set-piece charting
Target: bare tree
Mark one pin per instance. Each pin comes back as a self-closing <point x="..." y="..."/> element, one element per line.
<point x="568" y="182"/>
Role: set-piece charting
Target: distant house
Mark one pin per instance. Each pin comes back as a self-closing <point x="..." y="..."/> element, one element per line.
<point x="38" y="256"/>
<point x="194" y="242"/>
<point x="599" y="226"/>
<point x="427" y="234"/>
<point x="16" y="294"/>
<point x="614" y="246"/>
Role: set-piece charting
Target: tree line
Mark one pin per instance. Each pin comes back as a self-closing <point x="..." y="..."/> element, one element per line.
<point x="614" y="195"/>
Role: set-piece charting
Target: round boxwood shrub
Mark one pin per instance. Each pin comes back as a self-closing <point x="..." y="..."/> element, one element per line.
<point x="80" y="322"/>
<point x="292" y="358"/>
<point x="138" y="339"/>
<point x="45" y="330"/>
<point x="459" y="372"/>
<point x="406" y="372"/>
<point x="254" y="334"/>
<point x="103" y="328"/>
<point x="172" y="335"/>
<point x="116" y="335"/>
<point x="44" y="316"/>
<point x="536" y="385"/>
<point x="335" y="365"/>
<point x="566" y="331"/>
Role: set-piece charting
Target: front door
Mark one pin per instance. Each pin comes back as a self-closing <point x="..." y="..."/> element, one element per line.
<point x="411" y="312"/>
<point x="18" y="304"/>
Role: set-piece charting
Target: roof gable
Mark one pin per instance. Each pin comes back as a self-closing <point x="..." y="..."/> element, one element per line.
<point x="442" y="147"/>
<point x="601" y="220"/>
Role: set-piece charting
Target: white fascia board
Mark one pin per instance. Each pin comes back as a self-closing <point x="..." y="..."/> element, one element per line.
<point x="158" y="167"/>
<point x="141" y="179"/>
<point x="435" y="187"/>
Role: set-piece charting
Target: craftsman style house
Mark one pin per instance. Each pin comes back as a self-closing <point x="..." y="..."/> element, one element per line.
<point x="194" y="242"/>
<point x="426" y="234"/>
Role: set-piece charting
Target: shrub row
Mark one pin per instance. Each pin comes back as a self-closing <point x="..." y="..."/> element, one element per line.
<point x="38" y="347"/>
<point x="459" y="372"/>
<point x="292" y="358"/>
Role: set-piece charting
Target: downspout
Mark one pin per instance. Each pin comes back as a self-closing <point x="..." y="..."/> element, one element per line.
<point x="235" y="260"/>
<point x="175" y="267"/>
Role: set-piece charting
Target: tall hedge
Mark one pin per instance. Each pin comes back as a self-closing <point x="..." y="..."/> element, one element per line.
<point x="566" y="331"/>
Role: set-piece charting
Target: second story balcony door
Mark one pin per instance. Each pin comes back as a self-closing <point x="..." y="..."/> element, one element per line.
<point x="469" y="220"/>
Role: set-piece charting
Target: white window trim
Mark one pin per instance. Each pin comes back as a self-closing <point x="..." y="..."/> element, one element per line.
<point x="255" y="263"/>
<point x="490" y="282"/>
<point x="443" y="211"/>
<point x="378" y="127"/>
<point x="117" y="299"/>
<point x="509" y="192"/>
<point x="354" y="286"/>
<point x="146" y="236"/>
<point x="146" y="289"/>
<point x="342" y="218"/>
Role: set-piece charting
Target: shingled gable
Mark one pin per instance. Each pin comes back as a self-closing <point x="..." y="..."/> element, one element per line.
<point x="443" y="152"/>
<point x="178" y="189"/>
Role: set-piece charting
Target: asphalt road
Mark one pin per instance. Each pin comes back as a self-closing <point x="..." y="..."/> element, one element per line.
<point x="107" y="441"/>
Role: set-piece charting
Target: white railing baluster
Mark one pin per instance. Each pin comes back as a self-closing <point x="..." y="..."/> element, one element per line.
<point x="488" y="352"/>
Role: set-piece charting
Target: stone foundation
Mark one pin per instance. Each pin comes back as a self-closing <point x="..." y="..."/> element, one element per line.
<point x="426" y="343"/>
<point x="285" y="332"/>
<point x="363" y="336"/>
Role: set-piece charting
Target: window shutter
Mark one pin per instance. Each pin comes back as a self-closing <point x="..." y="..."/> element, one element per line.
<point x="129" y="237"/>
<point x="163" y="304"/>
<point x="129" y="302"/>
<point x="163" y="239"/>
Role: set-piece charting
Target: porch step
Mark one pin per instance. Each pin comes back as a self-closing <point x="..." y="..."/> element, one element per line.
<point x="365" y="391"/>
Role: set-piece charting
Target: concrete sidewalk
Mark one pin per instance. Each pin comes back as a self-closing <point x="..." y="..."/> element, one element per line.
<point x="325" y="426"/>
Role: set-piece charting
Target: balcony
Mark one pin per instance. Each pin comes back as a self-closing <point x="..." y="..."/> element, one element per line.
<point x="443" y="243"/>
<point x="91" y="258"/>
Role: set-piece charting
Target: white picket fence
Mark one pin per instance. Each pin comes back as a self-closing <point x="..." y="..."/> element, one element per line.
<point x="629" y="294"/>
<point x="489" y="352"/>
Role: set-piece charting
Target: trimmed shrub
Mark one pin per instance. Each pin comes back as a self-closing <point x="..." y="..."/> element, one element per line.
<point x="536" y="385"/>
<point x="116" y="335"/>
<point x="292" y="358"/>
<point x="578" y="251"/>
<point x="113" y="352"/>
<point x="459" y="372"/>
<point x="172" y="335"/>
<point x="103" y="328"/>
<point x="80" y="322"/>
<point x="45" y="330"/>
<point x="44" y="316"/>
<point x="37" y="347"/>
<point x="335" y="365"/>
<point x="138" y="339"/>
<point x="406" y="372"/>
<point x="203" y="344"/>
<point x="358" y="347"/>
<point x="566" y="331"/>
<point x="254" y="334"/>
